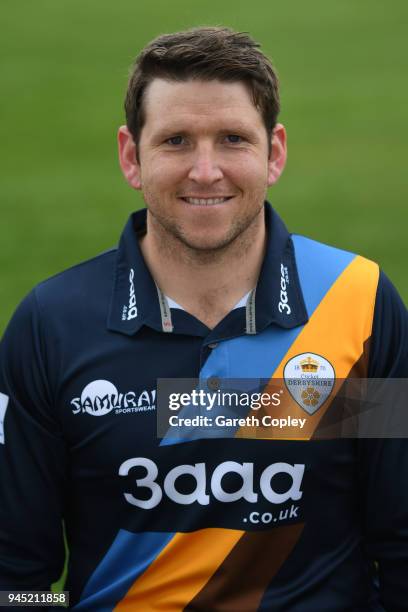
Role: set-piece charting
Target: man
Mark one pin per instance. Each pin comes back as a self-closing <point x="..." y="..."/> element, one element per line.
<point x="206" y="283"/>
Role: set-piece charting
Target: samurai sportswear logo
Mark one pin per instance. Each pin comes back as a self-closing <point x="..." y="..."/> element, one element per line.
<point x="130" y="311"/>
<point x="283" y="305"/>
<point x="101" y="397"/>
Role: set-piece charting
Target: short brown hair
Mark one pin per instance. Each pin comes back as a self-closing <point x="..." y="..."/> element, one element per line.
<point x="204" y="53"/>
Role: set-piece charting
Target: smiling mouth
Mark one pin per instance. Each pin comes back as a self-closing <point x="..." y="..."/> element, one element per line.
<point x="206" y="201"/>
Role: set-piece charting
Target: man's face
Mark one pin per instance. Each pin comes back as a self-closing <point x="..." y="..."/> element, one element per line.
<point x="204" y="163"/>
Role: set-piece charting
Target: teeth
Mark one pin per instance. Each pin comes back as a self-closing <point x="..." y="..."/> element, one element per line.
<point x="205" y="201"/>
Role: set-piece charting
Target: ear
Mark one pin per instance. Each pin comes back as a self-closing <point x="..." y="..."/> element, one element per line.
<point x="277" y="158"/>
<point x="128" y="158"/>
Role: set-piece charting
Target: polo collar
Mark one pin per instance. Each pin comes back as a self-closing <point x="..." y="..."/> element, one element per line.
<point x="137" y="301"/>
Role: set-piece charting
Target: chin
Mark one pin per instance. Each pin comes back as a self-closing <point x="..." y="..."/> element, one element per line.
<point x="206" y="244"/>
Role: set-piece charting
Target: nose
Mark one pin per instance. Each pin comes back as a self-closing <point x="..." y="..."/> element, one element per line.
<point x="205" y="168"/>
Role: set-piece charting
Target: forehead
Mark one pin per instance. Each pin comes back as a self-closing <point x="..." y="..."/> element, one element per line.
<point x="190" y="101"/>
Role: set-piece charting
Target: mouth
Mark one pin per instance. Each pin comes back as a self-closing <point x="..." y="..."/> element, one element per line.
<point x="206" y="201"/>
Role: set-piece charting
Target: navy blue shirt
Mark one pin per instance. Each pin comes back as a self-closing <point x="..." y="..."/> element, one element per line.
<point x="201" y="523"/>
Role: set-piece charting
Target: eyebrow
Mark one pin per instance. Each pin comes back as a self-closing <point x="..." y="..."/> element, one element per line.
<point x="179" y="130"/>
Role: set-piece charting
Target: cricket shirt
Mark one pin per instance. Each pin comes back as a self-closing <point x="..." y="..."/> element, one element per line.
<point x="276" y="518"/>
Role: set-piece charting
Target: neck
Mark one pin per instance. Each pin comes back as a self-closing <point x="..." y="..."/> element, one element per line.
<point x="207" y="284"/>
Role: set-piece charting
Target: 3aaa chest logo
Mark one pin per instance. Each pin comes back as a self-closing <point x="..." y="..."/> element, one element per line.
<point x="101" y="397"/>
<point x="198" y="474"/>
<point x="309" y="379"/>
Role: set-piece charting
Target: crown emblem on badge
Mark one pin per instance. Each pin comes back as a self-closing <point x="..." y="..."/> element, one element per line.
<point x="309" y="364"/>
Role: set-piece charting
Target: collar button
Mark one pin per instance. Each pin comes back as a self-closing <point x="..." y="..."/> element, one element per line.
<point x="214" y="383"/>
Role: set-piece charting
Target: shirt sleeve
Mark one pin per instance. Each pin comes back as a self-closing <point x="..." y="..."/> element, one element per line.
<point x="384" y="462"/>
<point x="389" y="338"/>
<point x="33" y="459"/>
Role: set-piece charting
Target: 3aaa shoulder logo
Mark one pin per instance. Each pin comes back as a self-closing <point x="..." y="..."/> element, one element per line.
<point x="309" y="379"/>
<point x="130" y="311"/>
<point x="101" y="397"/>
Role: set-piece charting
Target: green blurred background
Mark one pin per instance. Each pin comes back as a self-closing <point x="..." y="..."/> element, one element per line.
<point x="64" y="63"/>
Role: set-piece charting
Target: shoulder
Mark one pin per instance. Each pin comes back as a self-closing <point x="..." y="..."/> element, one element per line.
<point x="314" y="255"/>
<point x="361" y="288"/>
<point x="322" y="267"/>
<point x="78" y="281"/>
<point x="67" y="302"/>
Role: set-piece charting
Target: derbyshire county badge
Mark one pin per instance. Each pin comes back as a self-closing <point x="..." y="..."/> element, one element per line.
<point x="309" y="378"/>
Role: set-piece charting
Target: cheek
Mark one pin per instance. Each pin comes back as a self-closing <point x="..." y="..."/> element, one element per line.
<point x="251" y="173"/>
<point x="160" y="172"/>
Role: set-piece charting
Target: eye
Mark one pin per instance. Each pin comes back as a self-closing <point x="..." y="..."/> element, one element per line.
<point x="234" y="138"/>
<point x="175" y="140"/>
